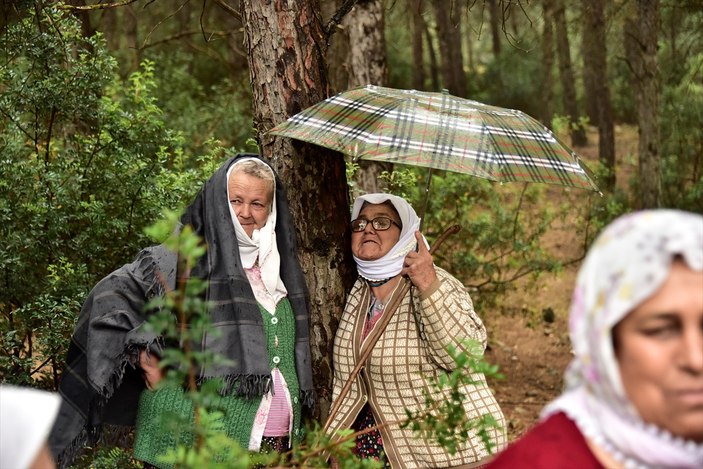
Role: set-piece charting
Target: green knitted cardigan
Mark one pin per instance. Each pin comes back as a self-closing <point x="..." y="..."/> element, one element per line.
<point x="163" y="412"/>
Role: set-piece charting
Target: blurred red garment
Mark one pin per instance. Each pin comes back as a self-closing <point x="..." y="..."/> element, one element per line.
<point x="555" y="443"/>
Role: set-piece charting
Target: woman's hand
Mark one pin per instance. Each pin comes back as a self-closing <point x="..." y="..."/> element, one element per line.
<point x="149" y="363"/>
<point x="419" y="266"/>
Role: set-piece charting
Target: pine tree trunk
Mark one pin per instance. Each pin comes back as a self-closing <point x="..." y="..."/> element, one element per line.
<point x="566" y="73"/>
<point x="589" y="75"/>
<point x="470" y="62"/>
<point x="418" y="27"/>
<point x="132" y="33"/>
<point x="285" y="44"/>
<point x="449" y="35"/>
<point x="547" y="64"/>
<point x="496" y="20"/>
<point x="367" y="59"/>
<point x="366" y="63"/>
<point x="646" y="69"/>
<point x="434" y="66"/>
<point x="596" y="62"/>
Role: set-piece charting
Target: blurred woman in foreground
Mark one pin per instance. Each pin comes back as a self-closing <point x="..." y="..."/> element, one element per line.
<point x="634" y="390"/>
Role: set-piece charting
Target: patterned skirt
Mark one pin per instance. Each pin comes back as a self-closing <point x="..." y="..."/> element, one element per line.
<point x="368" y="445"/>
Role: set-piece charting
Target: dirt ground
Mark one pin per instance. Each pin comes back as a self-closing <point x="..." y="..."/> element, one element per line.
<point x="528" y="332"/>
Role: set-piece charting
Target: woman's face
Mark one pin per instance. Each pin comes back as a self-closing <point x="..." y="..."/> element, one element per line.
<point x="250" y="198"/>
<point x="659" y="348"/>
<point x="370" y="244"/>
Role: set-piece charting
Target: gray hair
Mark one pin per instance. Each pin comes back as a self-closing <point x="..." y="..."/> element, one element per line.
<point x="256" y="168"/>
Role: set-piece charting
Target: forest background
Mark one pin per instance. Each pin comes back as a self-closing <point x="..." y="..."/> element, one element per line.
<point x="111" y="112"/>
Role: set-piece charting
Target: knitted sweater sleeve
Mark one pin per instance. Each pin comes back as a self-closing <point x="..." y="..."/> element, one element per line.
<point x="448" y="318"/>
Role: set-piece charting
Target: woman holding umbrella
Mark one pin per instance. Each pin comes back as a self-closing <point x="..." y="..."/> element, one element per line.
<point x="434" y="313"/>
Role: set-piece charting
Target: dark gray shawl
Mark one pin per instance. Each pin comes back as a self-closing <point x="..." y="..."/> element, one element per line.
<point x="101" y="385"/>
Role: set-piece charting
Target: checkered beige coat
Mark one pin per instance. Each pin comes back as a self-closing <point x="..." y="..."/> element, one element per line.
<point x="412" y="348"/>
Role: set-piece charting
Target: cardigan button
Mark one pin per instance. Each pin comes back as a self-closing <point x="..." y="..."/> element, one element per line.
<point x="277" y="360"/>
<point x="274" y="320"/>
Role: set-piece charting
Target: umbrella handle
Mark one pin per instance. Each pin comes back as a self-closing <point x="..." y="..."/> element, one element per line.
<point x="379" y="329"/>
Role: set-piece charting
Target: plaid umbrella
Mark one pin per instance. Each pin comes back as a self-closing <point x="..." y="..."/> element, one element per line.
<point x="441" y="131"/>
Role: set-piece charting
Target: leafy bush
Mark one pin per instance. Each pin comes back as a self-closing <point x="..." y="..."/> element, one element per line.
<point x="87" y="162"/>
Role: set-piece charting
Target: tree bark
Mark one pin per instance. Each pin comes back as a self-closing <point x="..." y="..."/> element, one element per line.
<point x="470" y="63"/>
<point x="132" y="36"/>
<point x="418" y="26"/>
<point x="285" y="44"/>
<point x="595" y="61"/>
<point x="434" y="66"/>
<point x="647" y="84"/>
<point x="589" y="75"/>
<point x="547" y="84"/>
<point x="449" y="35"/>
<point x="577" y="132"/>
<point x="496" y="21"/>
<point x="367" y="59"/>
<point x="367" y="64"/>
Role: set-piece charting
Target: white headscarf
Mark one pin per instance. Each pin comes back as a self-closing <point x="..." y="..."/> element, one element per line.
<point x="26" y="416"/>
<point x="262" y="244"/>
<point x="627" y="263"/>
<point x="391" y="264"/>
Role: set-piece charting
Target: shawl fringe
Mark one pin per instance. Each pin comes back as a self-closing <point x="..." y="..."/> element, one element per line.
<point x="247" y="386"/>
<point x="94" y="434"/>
<point x="129" y="357"/>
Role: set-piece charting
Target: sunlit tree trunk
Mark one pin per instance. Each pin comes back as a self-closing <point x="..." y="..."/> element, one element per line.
<point x="646" y="81"/>
<point x="432" y="53"/>
<point x="447" y="16"/>
<point x="470" y="62"/>
<point x="285" y="43"/>
<point x="547" y="84"/>
<point x="566" y="74"/>
<point x="595" y="61"/>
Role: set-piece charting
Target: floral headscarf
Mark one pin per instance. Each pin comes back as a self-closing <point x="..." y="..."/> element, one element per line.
<point x="627" y="263"/>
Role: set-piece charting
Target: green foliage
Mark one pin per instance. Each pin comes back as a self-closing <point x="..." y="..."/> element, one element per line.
<point x="181" y="320"/>
<point x="51" y="315"/>
<point x="202" y="108"/>
<point x="399" y="181"/>
<point x="87" y="161"/>
<point x="682" y="140"/>
<point x="512" y="81"/>
<point x="107" y="458"/>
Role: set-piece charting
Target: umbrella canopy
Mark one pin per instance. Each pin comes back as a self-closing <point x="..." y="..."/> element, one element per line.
<point x="441" y="131"/>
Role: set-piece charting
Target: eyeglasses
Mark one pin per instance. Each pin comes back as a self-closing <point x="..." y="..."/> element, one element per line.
<point x="378" y="223"/>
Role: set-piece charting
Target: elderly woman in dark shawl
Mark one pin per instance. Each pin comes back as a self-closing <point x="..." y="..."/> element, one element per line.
<point x="258" y="305"/>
